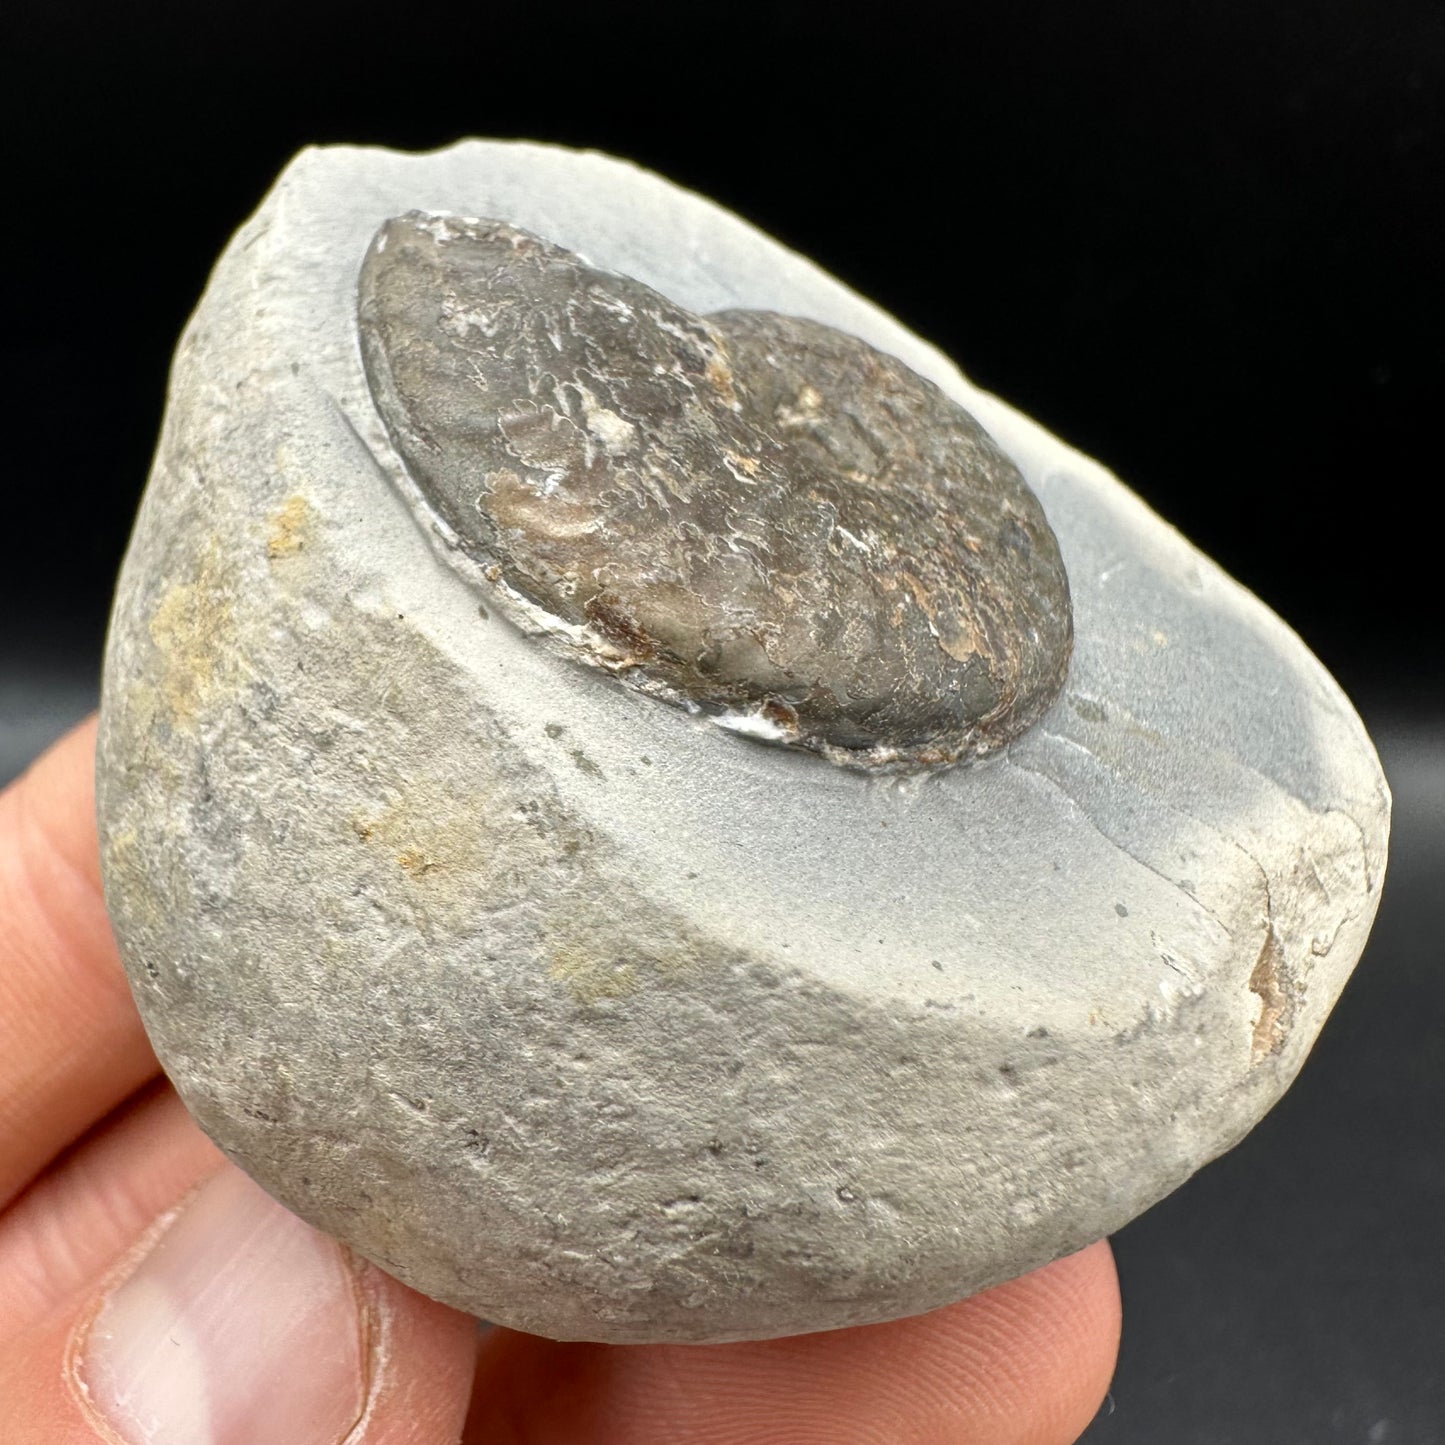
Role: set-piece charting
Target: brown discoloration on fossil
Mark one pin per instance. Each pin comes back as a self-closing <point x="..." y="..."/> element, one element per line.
<point x="753" y="515"/>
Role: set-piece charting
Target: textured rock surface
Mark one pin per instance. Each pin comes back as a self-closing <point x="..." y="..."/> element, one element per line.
<point x="746" y="513"/>
<point x="588" y="1016"/>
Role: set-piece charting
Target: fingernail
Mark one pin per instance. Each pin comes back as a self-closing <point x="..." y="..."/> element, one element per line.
<point x="240" y="1325"/>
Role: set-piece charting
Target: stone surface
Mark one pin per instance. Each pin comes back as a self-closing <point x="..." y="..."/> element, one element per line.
<point x="584" y="1014"/>
<point x="753" y="515"/>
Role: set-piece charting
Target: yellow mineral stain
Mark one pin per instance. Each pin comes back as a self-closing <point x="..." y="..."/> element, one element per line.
<point x="420" y="846"/>
<point x="806" y="409"/>
<point x="288" y="527"/>
<point x="720" y="378"/>
<point x="415" y="863"/>
<point x="192" y="630"/>
<point x="458" y="855"/>
<point x="590" y="978"/>
<point x="126" y="866"/>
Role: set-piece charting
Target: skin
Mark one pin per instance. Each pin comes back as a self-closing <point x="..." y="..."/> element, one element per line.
<point x="95" y="1149"/>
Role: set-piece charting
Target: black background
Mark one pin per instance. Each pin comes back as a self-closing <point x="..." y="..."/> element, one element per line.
<point x="1201" y="241"/>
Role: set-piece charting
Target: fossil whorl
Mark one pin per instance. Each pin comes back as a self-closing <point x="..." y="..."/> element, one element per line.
<point x="755" y="516"/>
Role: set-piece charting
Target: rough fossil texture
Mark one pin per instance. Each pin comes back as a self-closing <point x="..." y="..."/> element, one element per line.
<point x="589" y="1016"/>
<point x="754" y="515"/>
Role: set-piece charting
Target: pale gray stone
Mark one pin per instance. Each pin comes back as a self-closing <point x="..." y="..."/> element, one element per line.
<point x="593" y="1018"/>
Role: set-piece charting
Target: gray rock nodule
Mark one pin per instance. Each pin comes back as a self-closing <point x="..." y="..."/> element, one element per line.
<point x="759" y="516"/>
<point x="579" y="1011"/>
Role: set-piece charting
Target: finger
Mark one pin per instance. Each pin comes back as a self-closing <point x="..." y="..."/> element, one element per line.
<point x="76" y="1221"/>
<point x="71" y="1043"/>
<point x="226" y="1320"/>
<point x="1024" y="1364"/>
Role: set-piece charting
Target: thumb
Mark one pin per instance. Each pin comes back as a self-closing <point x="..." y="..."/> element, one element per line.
<point x="232" y="1322"/>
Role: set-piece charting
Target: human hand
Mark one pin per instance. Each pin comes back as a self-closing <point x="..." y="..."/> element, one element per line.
<point x="150" y="1294"/>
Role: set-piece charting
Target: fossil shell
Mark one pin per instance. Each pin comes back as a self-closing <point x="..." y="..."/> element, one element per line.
<point x="755" y="515"/>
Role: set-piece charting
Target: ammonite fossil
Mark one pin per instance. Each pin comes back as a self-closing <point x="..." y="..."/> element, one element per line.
<point x="754" y="515"/>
